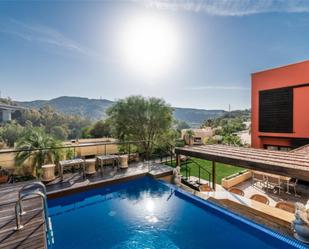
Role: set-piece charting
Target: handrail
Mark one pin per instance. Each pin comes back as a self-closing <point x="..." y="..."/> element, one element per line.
<point x="201" y="167"/>
<point x="38" y="185"/>
<point x="39" y="190"/>
<point x="18" y="209"/>
<point x="72" y="146"/>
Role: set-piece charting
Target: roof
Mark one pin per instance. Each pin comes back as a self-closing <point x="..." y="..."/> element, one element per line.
<point x="293" y="164"/>
<point x="10" y="107"/>
<point x="283" y="66"/>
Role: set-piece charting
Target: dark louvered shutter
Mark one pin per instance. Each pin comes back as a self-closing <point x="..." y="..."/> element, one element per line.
<point x="276" y="110"/>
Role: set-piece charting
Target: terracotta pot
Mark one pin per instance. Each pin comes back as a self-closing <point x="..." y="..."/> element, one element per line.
<point x="4" y="179"/>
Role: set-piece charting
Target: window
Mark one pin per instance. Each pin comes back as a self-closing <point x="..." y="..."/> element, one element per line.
<point x="276" y="110"/>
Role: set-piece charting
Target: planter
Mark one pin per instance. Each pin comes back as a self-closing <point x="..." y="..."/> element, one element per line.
<point x="48" y="172"/>
<point x="123" y="161"/>
<point x="4" y="179"/>
<point x="90" y="166"/>
<point x="235" y="179"/>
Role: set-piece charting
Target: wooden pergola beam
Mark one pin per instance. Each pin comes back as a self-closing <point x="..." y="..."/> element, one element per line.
<point x="259" y="163"/>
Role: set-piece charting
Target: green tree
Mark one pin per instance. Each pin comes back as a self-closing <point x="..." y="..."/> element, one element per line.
<point x="189" y="137"/>
<point x="32" y="146"/>
<point x="141" y="119"/>
<point x="181" y="125"/>
<point x="208" y="123"/>
<point x="59" y="133"/>
<point x="100" y="129"/>
<point x="231" y="139"/>
<point x="10" y="132"/>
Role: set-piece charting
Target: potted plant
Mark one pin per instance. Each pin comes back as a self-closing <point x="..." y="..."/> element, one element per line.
<point x="4" y="175"/>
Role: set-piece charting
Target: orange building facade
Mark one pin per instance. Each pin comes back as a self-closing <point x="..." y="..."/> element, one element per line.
<point x="280" y="107"/>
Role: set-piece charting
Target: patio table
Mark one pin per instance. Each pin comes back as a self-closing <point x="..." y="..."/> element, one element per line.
<point x="71" y="163"/>
<point x="102" y="160"/>
<point x="285" y="179"/>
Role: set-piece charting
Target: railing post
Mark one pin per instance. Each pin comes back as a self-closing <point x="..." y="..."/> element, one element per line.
<point x="129" y="152"/>
<point x="105" y="149"/>
<point x="199" y="174"/>
<point x="214" y="175"/>
<point x="177" y="160"/>
<point x="186" y="170"/>
<point x="17" y="216"/>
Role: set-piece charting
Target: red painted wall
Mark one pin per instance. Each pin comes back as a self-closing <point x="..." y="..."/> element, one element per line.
<point x="286" y="76"/>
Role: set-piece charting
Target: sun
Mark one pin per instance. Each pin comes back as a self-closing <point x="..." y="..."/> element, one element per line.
<point x="149" y="45"/>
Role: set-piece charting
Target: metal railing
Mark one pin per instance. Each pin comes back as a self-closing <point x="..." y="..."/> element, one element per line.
<point x="200" y="169"/>
<point x="31" y="190"/>
<point x="163" y="153"/>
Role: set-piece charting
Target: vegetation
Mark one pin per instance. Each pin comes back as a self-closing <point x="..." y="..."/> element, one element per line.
<point x="10" y="132"/>
<point x="141" y="119"/>
<point x="31" y="143"/>
<point x="222" y="170"/>
<point x="181" y="125"/>
<point x="99" y="129"/>
<point x="95" y="109"/>
<point x="57" y="125"/>
<point x="227" y="125"/>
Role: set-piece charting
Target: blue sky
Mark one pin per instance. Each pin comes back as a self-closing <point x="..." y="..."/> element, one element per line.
<point x="74" y="48"/>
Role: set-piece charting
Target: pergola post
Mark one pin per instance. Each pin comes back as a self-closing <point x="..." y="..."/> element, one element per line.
<point x="214" y="175"/>
<point x="177" y="160"/>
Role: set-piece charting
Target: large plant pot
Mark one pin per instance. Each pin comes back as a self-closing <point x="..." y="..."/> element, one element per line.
<point x="48" y="172"/>
<point x="123" y="161"/>
<point x="4" y="179"/>
<point x="90" y="166"/>
<point x="233" y="180"/>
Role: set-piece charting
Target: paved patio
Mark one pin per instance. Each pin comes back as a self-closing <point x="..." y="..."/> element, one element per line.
<point x="249" y="190"/>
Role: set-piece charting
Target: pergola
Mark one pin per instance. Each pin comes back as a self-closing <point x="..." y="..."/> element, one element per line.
<point x="292" y="164"/>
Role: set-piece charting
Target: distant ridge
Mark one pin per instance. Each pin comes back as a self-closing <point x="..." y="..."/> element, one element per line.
<point x="95" y="109"/>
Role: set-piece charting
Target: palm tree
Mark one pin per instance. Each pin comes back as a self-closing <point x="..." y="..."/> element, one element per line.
<point x="189" y="135"/>
<point x="37" y="147"/>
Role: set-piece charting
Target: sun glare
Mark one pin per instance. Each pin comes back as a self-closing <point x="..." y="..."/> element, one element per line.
<point x="149" y="45"/>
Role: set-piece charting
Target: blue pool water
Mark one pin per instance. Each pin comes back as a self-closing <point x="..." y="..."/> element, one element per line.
<point x="146" y="213"/>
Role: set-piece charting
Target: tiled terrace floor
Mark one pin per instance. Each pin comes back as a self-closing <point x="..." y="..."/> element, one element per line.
<point x="250" y="190"/>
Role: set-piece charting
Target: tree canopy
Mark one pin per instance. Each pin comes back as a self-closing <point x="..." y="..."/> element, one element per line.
<point x="137" y="118"/>
<point x="35" y="139"/>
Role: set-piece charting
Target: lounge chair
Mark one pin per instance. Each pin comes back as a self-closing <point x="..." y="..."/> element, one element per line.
<point x="260" y="198"/>
<point x="287" y="206"/>
<point x="236" y="191"/>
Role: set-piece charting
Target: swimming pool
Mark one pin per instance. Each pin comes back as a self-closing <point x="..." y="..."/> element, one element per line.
<point x="146" y="213"/>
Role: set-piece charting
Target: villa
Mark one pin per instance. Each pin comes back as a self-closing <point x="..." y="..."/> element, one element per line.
<point x="280" y="107"/>
<point x="108" y="194"/>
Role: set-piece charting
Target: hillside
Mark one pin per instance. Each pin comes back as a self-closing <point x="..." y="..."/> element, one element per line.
<point x="94" y="109"/>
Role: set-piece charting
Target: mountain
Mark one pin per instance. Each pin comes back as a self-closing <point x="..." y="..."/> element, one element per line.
<point x="195" y="117"/>
<point x="94" y="109"/>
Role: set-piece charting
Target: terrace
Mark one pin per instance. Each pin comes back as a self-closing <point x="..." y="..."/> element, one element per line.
<point x="33" y="233"/>
<point x="281" y="167"/>
<point x="283" y="163"/>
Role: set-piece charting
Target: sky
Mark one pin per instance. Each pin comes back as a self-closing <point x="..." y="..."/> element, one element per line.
<point x="197" y="54"/>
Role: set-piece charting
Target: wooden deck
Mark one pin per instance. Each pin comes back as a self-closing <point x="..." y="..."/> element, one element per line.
<point x="32" y="236"/>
